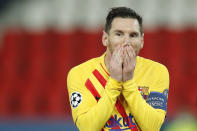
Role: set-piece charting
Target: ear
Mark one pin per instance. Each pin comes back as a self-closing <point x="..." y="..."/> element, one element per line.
<point x="105" y="38"/>
<point x="142" y="41"/>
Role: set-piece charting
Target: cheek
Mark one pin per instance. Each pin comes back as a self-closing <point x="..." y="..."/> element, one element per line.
<point x="137" y="44"/>
<point x="113" y="43"/>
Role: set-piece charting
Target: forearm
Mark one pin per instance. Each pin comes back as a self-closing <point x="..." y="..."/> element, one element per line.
<point x="147" y="117"/>
<point x="96" y="117"/>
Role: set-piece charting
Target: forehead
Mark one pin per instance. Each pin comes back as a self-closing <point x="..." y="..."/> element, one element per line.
<point x="126" y="24"/>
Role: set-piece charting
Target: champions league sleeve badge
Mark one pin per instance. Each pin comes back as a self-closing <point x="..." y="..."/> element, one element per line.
<point x="75" y="99"/>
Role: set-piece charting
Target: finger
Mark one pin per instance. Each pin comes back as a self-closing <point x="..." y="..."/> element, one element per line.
<point x="132" y="55"/>
<point x="121" y="54"/>
<point x="122" y="51"/>
<point x="126" y="57"/>
<point x="131" y="52"/>
<point x="115" y="51"/>
<point x="117" y="55"/>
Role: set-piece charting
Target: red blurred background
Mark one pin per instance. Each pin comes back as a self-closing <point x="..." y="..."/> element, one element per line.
<point x="34" y="67"/>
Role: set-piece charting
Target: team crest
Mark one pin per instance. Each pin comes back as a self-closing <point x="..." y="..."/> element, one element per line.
<point x="144" y="91"/>
<point x="75" y="99"/>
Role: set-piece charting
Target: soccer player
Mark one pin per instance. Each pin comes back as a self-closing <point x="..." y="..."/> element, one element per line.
<point x="119" y="90"/>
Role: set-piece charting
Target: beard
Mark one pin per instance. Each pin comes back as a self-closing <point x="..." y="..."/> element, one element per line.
<point x="111" y="48"/>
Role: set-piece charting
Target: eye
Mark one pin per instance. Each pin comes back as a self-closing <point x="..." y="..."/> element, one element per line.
<point x="134" y="34"/>
<point x="119" y="33"/>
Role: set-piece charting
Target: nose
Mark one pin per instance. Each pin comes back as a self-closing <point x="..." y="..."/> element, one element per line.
<point x="127" y="40"/>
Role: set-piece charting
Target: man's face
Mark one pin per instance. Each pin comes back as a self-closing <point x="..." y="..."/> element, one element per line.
<point x="124" y="31"/>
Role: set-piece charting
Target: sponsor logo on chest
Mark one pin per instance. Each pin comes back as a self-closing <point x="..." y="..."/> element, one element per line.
<point x="115" y="123"/>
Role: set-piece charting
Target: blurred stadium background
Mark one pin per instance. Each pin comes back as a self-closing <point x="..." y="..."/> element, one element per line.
<point x="40" y="40"/>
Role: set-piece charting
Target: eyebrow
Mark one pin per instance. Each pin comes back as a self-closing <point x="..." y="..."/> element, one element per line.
<point x="135" y="32"/>
<point x="117" y="31"/>
<point x="120" y="31"/>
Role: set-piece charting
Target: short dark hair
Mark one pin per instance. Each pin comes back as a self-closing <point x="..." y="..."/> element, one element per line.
<point x="123" y="12"/>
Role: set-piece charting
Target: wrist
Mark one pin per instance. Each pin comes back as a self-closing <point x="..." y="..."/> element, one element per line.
<point x="116" y="77"/>
<point x="113" y="83"/>
<point x="129" y="84"/>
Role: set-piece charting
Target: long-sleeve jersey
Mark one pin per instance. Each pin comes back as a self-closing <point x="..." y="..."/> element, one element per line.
<point x="99" y="102"/>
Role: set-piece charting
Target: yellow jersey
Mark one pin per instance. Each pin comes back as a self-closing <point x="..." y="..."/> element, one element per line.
<point x="99" y="102"/>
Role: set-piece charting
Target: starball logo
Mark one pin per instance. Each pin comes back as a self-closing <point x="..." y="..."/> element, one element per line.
<point x="119" y="122"/>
